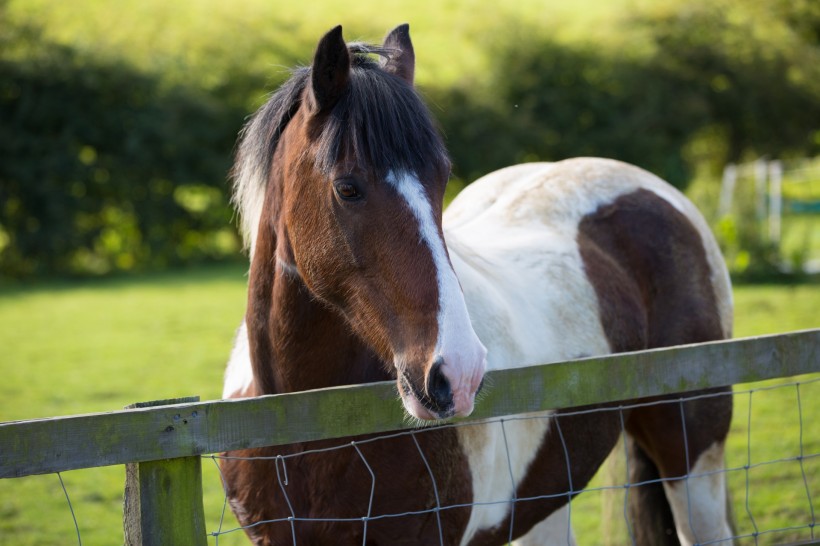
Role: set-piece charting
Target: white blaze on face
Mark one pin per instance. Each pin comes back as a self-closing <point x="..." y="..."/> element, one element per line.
<point x="457" y="344"/>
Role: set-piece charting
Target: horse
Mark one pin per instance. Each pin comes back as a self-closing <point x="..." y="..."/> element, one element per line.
<point x="357" y="275"/>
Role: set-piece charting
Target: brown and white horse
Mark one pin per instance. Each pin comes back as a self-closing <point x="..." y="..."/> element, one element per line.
<point x="356" y="278"/>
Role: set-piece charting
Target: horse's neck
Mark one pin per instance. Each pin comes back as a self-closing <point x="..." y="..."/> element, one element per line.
<point x="296" y="342"/>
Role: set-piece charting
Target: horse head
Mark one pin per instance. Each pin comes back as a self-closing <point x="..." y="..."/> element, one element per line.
<point x="357" y="173"/>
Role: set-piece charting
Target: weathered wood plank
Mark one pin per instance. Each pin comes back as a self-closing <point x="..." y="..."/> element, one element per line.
<point x="163" y="499"/>
<point x="65" y="443"/>
<point x="163" y="503"/>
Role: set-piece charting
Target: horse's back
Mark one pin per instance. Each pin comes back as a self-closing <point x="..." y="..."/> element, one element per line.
<point x="555" y="195"/>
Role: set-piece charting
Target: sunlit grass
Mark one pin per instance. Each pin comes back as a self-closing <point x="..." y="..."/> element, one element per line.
<point x="98" y="346"/>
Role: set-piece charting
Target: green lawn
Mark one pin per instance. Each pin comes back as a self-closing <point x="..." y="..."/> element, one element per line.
<point x="98" y="346"/>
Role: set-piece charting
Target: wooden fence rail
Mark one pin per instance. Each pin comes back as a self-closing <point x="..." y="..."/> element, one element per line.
<point x="162" y="444"/>
<point x="153" y="433"/>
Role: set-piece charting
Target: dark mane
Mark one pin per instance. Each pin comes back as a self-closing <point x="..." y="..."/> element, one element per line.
<point x="379" y="119"/>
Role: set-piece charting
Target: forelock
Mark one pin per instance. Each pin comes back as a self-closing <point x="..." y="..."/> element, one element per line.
<point x="380" y="121"/>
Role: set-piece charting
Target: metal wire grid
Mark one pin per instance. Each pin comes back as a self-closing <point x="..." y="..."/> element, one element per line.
<point x="756" y="534"/>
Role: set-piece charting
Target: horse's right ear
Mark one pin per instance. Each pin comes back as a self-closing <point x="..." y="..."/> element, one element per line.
<point x="330" y="72"/>
<point x="402" y="61"/>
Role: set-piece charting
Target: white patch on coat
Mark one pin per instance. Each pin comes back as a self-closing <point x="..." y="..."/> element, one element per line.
<point x="239" y="374"/>
<point x="488" y="448"/>
<point x="522" y="320"/>
<point x="510" y="263"/>
<point x="457" y="343"/>
<point x="556" y="530"/>
<point x="705" y="493"/>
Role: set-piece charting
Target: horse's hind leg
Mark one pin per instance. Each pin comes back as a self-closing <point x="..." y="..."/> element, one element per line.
<point x="685" y="440"/>
<point x="699" y="502"/>
<point x="554" y="531"/>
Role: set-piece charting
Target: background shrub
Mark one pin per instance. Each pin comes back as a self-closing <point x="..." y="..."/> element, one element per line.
<point x="114" y="154"/>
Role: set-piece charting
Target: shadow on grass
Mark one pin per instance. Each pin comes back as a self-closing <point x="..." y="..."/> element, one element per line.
<point x="229" y="271"/>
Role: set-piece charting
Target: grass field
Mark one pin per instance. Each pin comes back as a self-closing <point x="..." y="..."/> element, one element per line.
<point x="73" y="347"/>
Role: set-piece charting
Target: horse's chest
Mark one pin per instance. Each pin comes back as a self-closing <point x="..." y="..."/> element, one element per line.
<point x="499" y="455"/>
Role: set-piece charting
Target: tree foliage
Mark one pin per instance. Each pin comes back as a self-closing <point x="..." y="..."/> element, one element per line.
<point x="101" y="168"/>
<point x="105" y="167"/>
<point x="755" y="67"/>
<point x="717" y="82"/>
<point x="550" y="102"/>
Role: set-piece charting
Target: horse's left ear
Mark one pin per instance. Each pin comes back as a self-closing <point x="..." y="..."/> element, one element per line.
<point x="402" y="61"/>
<point x="331" y="70"/>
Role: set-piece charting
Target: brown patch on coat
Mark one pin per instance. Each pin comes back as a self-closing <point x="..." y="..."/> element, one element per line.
<point x="337" y="485"/>
<point x="648" y="265"/>
<point x="657" y="254"/>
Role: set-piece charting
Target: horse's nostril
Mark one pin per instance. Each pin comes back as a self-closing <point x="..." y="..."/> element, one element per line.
<point x="438" y="387"/>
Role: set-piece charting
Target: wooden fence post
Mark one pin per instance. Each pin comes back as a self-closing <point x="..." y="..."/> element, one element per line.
<point x="775" y="201"/>
<point x="163" y="499"/>
<point x="727" y="190"/>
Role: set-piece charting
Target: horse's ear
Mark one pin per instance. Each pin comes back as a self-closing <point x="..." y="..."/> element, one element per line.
<point x="331" y="70"/>
<point x="402" y="62"/>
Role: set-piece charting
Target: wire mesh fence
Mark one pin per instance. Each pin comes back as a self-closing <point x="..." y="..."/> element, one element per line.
<point x="772" y="465"/>
<point x="772" y="470"/>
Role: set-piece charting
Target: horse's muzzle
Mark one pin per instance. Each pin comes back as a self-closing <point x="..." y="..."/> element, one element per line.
<point x="420" y="404"/>
<point x="437" y="399"/>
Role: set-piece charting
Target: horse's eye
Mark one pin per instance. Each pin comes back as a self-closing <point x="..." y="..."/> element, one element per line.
<point x="347" y="190"/>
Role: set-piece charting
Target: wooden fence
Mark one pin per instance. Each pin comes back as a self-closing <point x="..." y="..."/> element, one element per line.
<point x="162" y="444"/>
<point x="775" y="190"/>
